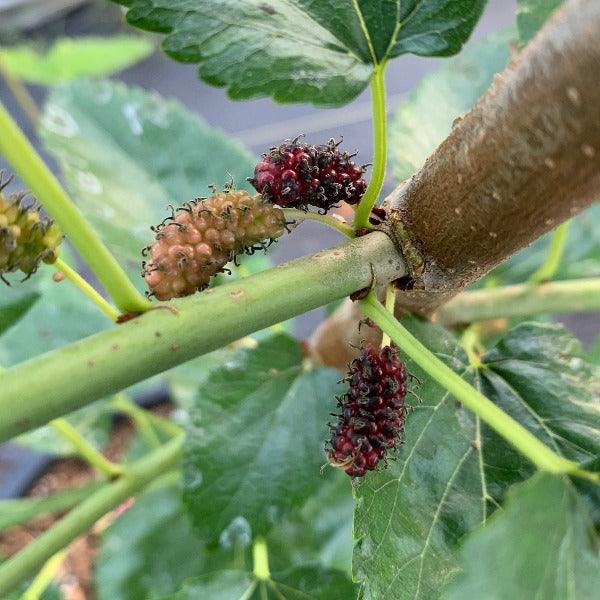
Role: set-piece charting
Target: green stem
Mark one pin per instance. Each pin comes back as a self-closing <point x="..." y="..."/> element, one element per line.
<point x="512" y="431"/>
<point x="170" y="428"/>
<point x="20" y="510"/>
<point x="76" y="279"/>
<point x="86" y="450"/>
<point x="30" y="167"/>
<point x="390" y="303"/>
<point x="260" y="556"/>
<point x="244" y="272"/>
<point x="116" y="358"/>
<point x="250" y="591"/>
<point x="21" y="93"/>
<point x="522" y="300"/>
<point x="555" y="253"/>
<point x="300" y="215"/>
<point x="123" y="403"/>
<point x="264" y="591"/>
<point x="361" y="217"/>
<point x="44" y="577"/>
<point x="82" y="517"/>
<point x="470" y="341"/>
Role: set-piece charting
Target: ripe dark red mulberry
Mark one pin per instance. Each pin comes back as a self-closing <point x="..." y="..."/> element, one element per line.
<point x="200" y="238"/>
<point x="296" y="175"/>
<point x="372" y="411"/>
<point x="27" y="238"/>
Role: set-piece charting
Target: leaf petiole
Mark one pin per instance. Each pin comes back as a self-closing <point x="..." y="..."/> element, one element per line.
<point x="554" y="257"/>
<point x="140" y="417"/>
<point x="260" y="557"/>
<point x="378" y="96"/>
<point x="390" y="302"/>
<point x="300" y="215"/>
<point x="512" y="431"/>
<point x="44" y="577"/>
<point x="79" y="282"/>
<point x="85" y="449"/>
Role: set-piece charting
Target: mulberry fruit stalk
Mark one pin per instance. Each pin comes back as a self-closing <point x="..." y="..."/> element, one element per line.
<point x="295" y="175"/>
<point x="201" y="237"/>
<point x="27" y="238"/>
<point x="372" y="411"/>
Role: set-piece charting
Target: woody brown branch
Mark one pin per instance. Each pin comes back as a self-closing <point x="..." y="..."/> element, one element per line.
<point x="525" y="158"/>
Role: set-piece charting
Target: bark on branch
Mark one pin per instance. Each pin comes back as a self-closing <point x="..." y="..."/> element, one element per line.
<point x="524" y="159"/>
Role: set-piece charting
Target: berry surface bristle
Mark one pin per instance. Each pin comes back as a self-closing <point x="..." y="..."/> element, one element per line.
<point x="298" y="175"/>
<point x="372" y="412"/>
<point x="27" y="237"/>
<point x="200" y="238"/>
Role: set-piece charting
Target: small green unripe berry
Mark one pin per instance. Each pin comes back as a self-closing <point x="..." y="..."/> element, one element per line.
<point x="27" y="238"/>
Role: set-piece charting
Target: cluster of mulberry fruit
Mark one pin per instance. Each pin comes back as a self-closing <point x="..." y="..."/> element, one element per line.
<point x="200" y="238"/>
<point x="372" y="411"/>
<point x="27" y="238"/>
<point x="295" y="175"/>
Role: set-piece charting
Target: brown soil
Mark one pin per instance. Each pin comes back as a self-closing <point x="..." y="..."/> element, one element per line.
<point x="75" y="575"/>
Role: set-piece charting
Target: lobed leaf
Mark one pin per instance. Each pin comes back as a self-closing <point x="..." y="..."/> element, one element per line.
<point x="300" y="50"/>
<point x="12" y="310"/>
<point x="72" y="58"/>
<point x="542" y="545"/>
<point x="453" y="471"/>
<point x="308" y="582"/>
<point x="255" y="439"/>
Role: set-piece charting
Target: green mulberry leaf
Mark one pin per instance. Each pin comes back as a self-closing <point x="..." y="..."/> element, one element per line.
<point x="532" y="14"/>
<point x="72" y="58"/>
<point x="321" y="52"/>
<point x="255" y="439"/>
<point x="453" y="472"/>
<point x="541" y="545"/>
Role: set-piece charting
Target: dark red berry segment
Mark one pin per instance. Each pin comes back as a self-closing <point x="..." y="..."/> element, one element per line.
<point x="203" y="236"/>
<point x="295" y="175"/>
<point x="372" y="411"/>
